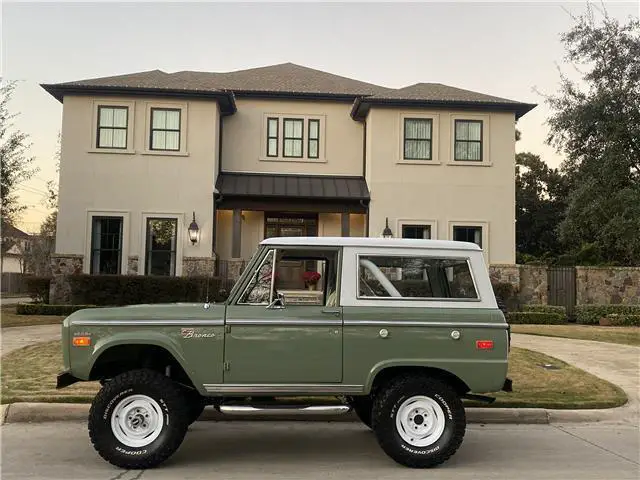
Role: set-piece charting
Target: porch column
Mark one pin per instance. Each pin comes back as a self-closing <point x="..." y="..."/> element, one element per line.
<point x="345" y="224"/>
<point x="236" y="235"/>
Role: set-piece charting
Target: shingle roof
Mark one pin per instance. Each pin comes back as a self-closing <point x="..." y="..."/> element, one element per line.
<point x="316" y="187"/>
<point x="9" y="231"/>
<point x="286" y="79"/>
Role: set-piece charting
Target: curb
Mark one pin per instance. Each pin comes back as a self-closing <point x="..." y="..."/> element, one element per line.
<point x="60" y="412"/>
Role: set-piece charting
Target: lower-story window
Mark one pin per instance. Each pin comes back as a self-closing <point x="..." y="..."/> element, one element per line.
<point x="160" y="258"/>
<point x="416" y="231"/>
<point x="106" y="245"/>
<point x="471" y="234"/>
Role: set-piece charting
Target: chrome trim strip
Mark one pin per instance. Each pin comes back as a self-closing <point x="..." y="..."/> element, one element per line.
<point x="313" y="410"/>
<point x="419" y="323"/>
<point x="282" y="388"/>
<point x="161" y="323"/>
<point x="293" y="321"/>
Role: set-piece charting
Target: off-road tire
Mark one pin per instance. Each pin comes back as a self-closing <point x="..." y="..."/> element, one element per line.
<point x="362" y="407"/>
<point x="138" y="382"/>
<point x="385" y="408"/>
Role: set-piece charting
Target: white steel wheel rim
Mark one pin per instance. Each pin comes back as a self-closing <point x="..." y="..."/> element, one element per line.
<point x="137" y="421"/>
<point x="420" y="421"/>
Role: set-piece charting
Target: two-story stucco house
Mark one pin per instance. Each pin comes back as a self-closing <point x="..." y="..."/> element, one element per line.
<point x="274" y="151"/>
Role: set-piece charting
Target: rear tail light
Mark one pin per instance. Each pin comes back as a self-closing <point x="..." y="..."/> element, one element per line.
<point x="484" y="344"/>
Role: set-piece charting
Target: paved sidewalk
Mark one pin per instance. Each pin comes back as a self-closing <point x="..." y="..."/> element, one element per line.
<point x="18" y="337"/>
<point x="618" y="364"/>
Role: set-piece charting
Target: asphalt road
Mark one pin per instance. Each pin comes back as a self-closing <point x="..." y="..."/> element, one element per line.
<point x="319" y="450"/>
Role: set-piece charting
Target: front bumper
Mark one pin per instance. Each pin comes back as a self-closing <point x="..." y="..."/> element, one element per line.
<point x="65" y="379"/>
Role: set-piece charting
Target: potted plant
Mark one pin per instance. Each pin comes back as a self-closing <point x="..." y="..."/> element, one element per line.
<point x="311" y="279"/>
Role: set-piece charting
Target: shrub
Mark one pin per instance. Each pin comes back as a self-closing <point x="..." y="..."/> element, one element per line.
<point x="38" y="288"/>
<point x="46" y="309"/>
<point x="591" y="314"/>
<point x="537" y="318"/>
<point x="136" y="289"/>
<point x="506" y="295"/>
<point x="623" y="320"/>
<point x="559" y="309"/>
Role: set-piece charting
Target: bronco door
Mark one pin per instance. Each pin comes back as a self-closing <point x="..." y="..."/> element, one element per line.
<point x="286" y="337"/>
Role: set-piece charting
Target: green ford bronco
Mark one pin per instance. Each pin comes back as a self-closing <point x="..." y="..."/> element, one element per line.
<point x="398" y="330"/>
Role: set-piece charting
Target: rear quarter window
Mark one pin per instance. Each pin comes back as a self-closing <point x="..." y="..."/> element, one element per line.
<point x="415" y="277"/>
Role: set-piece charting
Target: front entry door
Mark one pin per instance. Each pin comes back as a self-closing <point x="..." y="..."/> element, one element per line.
<point x="298" y="343"/>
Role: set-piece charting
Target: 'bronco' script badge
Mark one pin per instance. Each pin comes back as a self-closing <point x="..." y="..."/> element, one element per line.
<point x="191" y="333"/>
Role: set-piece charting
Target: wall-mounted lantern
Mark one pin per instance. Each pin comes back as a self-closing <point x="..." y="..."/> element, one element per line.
<point x="387" y="233"/>
<point x="194" y="230"/>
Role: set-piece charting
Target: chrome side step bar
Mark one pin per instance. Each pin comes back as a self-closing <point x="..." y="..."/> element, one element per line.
<point x="284" y="410"/>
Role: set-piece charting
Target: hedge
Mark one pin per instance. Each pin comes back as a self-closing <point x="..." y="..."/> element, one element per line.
<point x="591" y="314"/>
<point x="535" y="318"/>
<point x="559" y="309"/>
<point x="46" y="309"/>
<point x="105" y="290"/>
<point x="506" y="296"/>
<point x="38" y="288"/>
<point x="623" y="320"/>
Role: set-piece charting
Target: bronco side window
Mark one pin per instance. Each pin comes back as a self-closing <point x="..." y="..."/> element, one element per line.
<point x="414" y="277"/>
<point x="258" y="290"/>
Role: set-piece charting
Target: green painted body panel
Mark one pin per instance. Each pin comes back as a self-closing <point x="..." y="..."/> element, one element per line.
<point x="299" y="344"/>
<point x="285" y="353"/>
<point x="200" y="355"/>
<point x="366" y="353"/>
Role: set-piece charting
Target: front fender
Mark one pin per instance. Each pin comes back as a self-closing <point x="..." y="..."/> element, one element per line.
<point x="83" y="370"/>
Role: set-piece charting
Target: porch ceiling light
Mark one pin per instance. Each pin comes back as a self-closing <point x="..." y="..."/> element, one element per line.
<point x="194" y="230"/>
<point x="387" y="233"/>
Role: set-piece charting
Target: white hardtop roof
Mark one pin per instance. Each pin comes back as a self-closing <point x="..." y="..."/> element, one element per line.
<point x="370" y="242"/>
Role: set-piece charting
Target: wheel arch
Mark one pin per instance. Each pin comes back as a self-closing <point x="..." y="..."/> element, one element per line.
<point x="387" y="373"/>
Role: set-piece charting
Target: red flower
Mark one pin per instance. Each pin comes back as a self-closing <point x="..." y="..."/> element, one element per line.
<point x="311" y="277"/>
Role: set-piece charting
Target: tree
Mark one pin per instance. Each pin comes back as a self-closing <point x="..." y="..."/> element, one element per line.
<point x="38" y="257"/>
<point x="16" y="165"/>
<point x="596" y="125"/>
<point x="540" y="206"/>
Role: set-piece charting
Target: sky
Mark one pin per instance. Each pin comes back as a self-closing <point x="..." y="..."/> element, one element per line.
<point x="508" y="49"/>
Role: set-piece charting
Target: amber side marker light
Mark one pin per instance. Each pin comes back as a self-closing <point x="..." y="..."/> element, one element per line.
<point x="484" y="344"/>
<point x="81" y="341"/>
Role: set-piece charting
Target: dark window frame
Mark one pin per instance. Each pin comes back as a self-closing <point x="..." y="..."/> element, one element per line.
<point x="125" y="128"/>
<point x="152" y="129"/>
<point x="270" y="137"/>
<point x="94" y="250"/>
<point x="405" y="138"/>
<point x="309" y="139"/>
<point x="147" y="247"/>
<point x="455" y="140"/>
<point x="475" y="227"/>
<point x="285" y="138"/>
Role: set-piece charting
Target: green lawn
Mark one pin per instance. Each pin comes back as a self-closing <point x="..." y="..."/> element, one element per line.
<point x="623" y="335"/>
<point x="29" y="375"/>
<point x="9" y="318"/>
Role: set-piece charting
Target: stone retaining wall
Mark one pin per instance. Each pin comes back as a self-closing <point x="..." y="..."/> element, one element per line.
<point x="607" y="285"/>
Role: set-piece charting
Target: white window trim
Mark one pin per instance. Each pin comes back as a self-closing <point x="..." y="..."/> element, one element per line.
<point x="93" y="148"/>
<point x="473" y="223"/>
<point x="184" y="118"/>
<point x="305" y="139"/>
<point x="486" y="136"/>
<point x="433" y="224"/>
<point x="86" y="268"/>
<point x="435" y="134"/>
<point x="180" y="239"/>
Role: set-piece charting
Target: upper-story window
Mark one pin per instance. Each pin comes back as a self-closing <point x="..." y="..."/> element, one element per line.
<point x="417" y="138"/>
<point x="293" y="137"/>
<point x="113" y="123"/>
<point x="165" y="129"/>
<point x="468" y="140"/>
<point x="272" y="137"/>
<point x="313" y="144"/>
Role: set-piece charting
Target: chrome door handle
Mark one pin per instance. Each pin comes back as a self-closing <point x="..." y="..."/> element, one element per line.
<point x="335" y="313"/>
